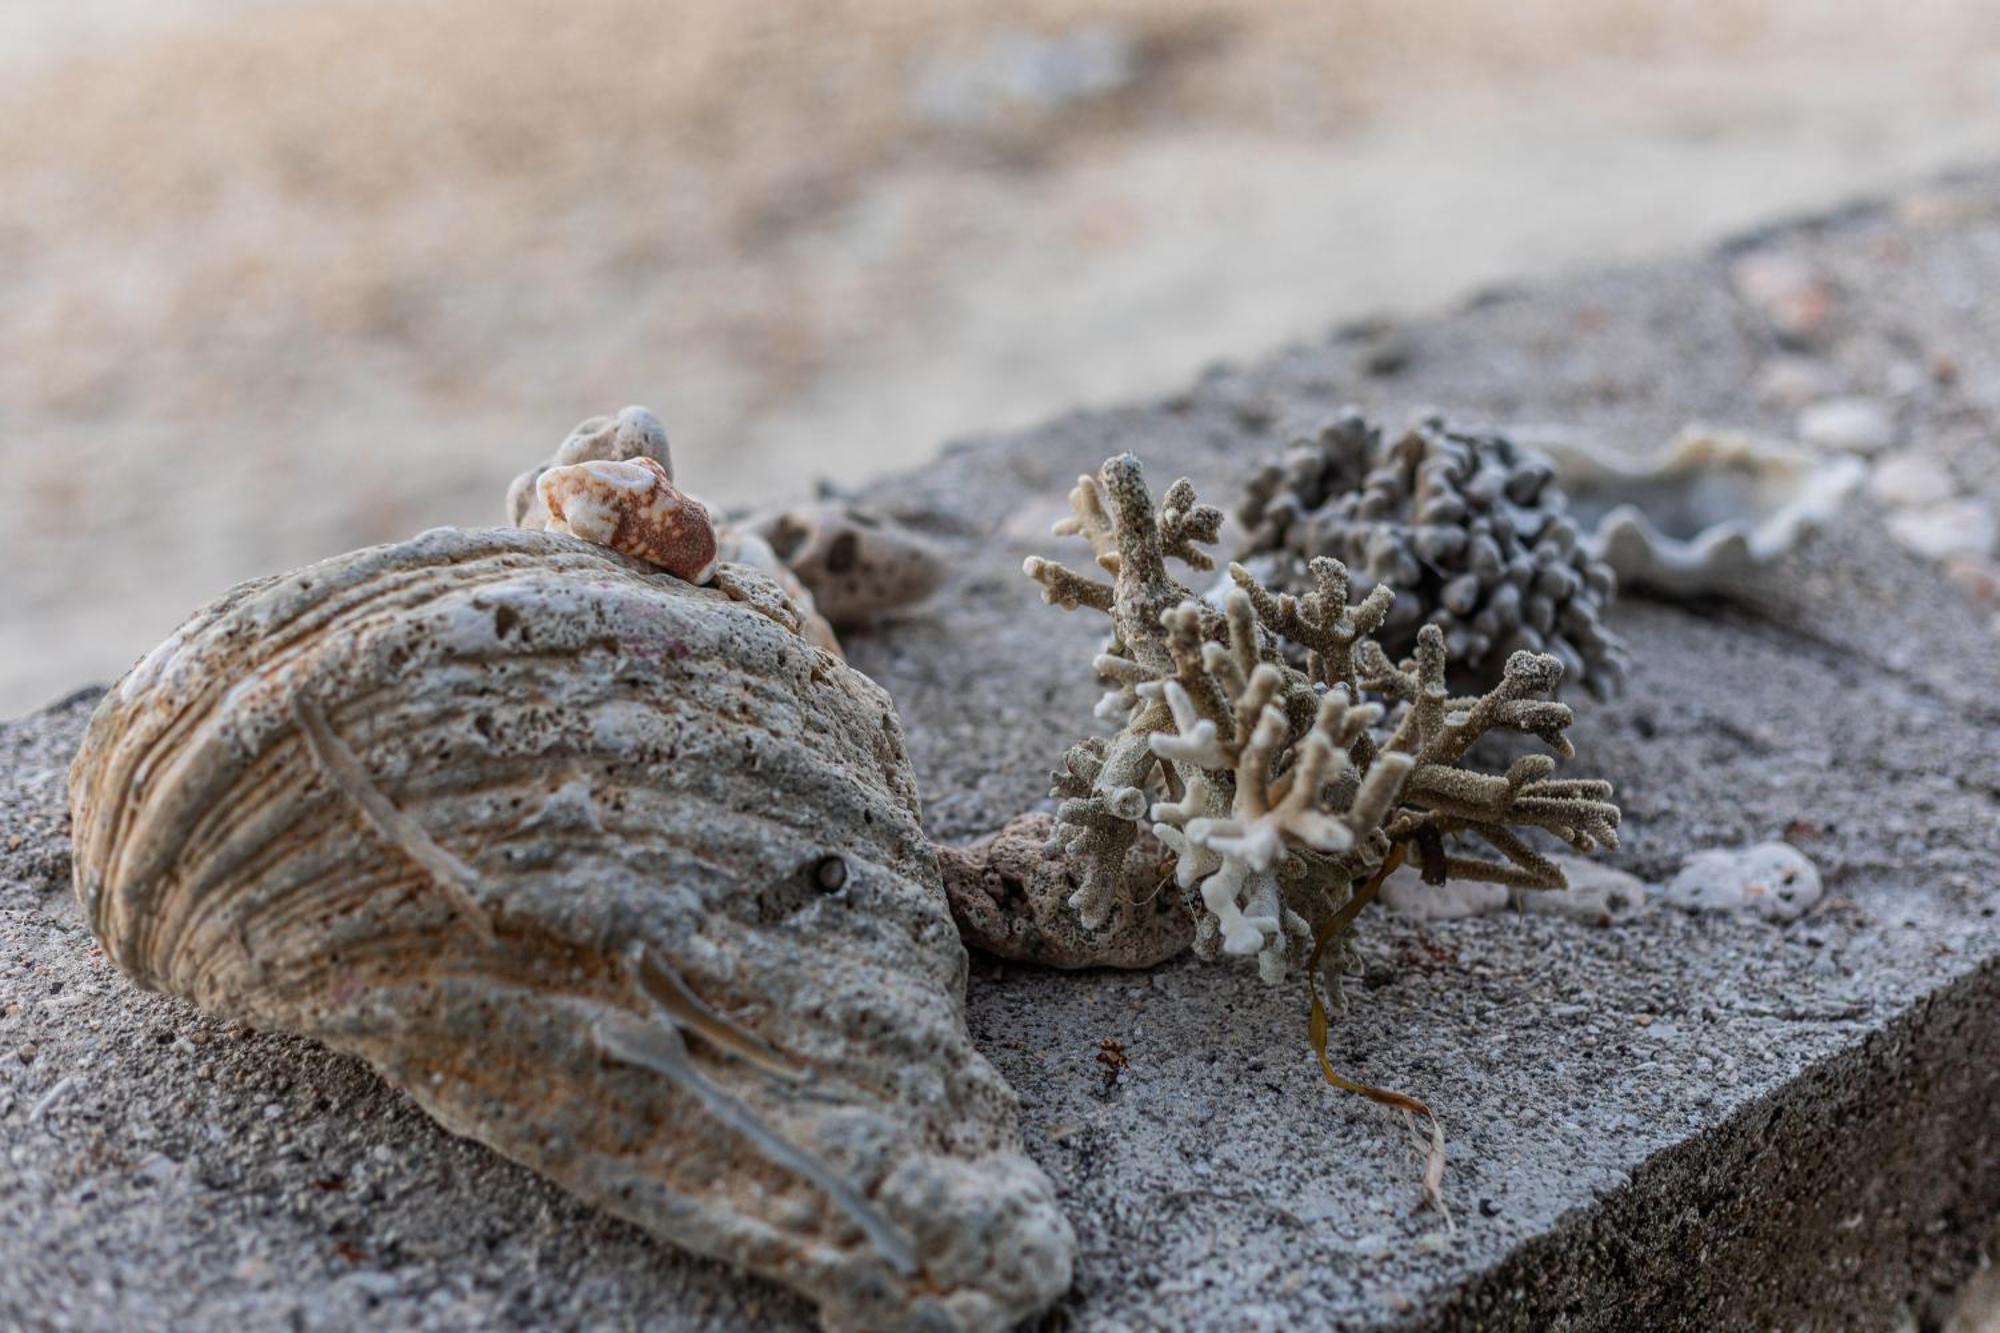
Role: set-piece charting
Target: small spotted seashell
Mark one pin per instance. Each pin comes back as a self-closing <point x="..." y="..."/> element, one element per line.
<point x="857" y="564"/>
<point x="633" y="508"/>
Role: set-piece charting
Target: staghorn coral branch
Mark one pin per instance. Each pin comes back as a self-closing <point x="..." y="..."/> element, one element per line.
<point x="1278" y="790"/>
<point x="1321" y="622"/>
<point x="1185" y="525"/>
<point x="1064" y="587"/>
<point x="1285" y="795"/>
<point x="1091" y="521"/>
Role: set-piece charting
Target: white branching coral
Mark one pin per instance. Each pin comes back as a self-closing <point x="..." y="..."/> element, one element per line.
<point x="1279" y="790"/>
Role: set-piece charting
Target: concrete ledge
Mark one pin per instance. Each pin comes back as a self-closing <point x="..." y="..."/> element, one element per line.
<point x="1857" y="1192"/>
<point x="1681" y="1122"/>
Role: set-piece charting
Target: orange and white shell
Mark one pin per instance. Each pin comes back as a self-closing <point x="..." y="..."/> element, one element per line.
<point x="632" y="507"/>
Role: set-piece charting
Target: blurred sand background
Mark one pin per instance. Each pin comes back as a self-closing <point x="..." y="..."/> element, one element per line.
<point x="283" y="277"/>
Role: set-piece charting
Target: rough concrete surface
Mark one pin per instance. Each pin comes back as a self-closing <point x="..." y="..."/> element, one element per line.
<point x="1695" y="1122"/>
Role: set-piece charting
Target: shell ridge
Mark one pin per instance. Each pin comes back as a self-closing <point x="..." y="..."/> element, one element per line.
<point x="457" y="881"/>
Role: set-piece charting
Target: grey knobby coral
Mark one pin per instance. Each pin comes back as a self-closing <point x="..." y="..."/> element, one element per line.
<point x="1280" y="789"/>
<point x="1468" y="530"/>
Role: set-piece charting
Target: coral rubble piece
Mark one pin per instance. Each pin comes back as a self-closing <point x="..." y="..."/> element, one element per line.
<point x="1010" y="892"/>
<point x="857" y="563"/>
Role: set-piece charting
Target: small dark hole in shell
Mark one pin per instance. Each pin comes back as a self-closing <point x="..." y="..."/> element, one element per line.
<point x="830" y="874"/>
<point x="788" y="537"/>
<point x="843" y="554"/>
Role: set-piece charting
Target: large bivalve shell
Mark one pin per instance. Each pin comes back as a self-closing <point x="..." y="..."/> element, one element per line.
<point x="614" y="874"/>
<point x="1712" y="509"/>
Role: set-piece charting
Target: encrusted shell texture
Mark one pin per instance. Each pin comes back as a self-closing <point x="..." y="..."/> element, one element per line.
<point x="1465" y="527"/>
<point x="659" y="874"/>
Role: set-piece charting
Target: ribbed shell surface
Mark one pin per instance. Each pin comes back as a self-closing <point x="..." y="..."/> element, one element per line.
<point x="623" y="762"/>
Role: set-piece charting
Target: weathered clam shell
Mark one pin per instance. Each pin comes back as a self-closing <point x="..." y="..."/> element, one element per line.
<point x="614" y="874"/>
<point x="1713" y="507"/>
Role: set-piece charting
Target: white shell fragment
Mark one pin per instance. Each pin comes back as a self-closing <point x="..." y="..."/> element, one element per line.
<point x="1713" y="507"/>
<point x="1957" y="527"/>
<point x="616" y="875"/>
<point x="1598" y="895"/>
<point x="1853" y="425"/>
<point x="1774" y="880"/>
<point x="631" y="433"/>
<point x="1908" y="480"/>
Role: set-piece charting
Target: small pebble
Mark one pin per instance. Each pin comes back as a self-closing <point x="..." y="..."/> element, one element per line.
<point x="1773" y="880"/>
<point x="50" y="1098"/>
<point x="1792" y="294"/>
<point x="377" y="1284"/>
<point x="1977" y="576"/>
<point x="1796" y="381"/>
<point x="1907" y="478"/>
<point x="1950" y="527"/>
<point x="1854" y="425"/>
